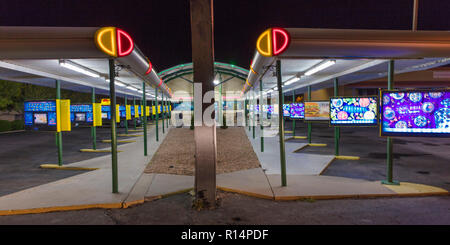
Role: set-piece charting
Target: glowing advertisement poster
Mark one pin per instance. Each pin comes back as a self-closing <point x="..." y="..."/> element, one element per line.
<point x="415" y="113"/>
<point x="286" y="110"/>
<point x="317" y="110"/>
<point x="354" y="111"/>
<point x="297" y="111"/>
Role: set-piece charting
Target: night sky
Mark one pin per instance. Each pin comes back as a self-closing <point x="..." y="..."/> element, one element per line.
<point x="161" y="28"/>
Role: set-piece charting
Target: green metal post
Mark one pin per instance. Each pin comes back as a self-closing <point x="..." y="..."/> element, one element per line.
<point x="246" y="111"/>
<point x="126" y="121"/>
<point x="389" y="175"/>
<point x="293" y="119"/>
<point x="144" y="100"/>
<point x="112" y="96"/>
<point x="261" y="114"/>
<point x="162" y="112"/>
<point x="336" y="129"/>
<point x="253" y="115"/>
<point x="59" y="134"/>
<point x="309" y="124"/>
<point x="281" y="128"/>
<point x="135" y="111"/>
<point x="93" y="128"/>
<point x="156" y="113"/>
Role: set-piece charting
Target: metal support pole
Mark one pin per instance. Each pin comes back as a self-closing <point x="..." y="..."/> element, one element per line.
<point x="246" y="111"/>
<point x="144" y="101"/>
<point x="261" y="114"/>
<point x="112" y="96"/>
<point x="293" y="119"/>
<point x="389" y="174"/>
<point x="202" y="23"/>
<point x="220" y="106"/>
<point x="126" y="120"/>
<point x="59" y="134"/>
<point x="135" y="111"/>
<point x="156" y="114"/>
<point x="162" y="112"/>
<point x="253" y="114"/>
<point x="93" y="128"/>
<point x="336" y="129"/>
<point x="415" y="14"/>
<point x="281" y="126"/>
<point x="309" y="123"/>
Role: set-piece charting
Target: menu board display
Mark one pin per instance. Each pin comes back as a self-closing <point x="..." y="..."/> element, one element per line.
<point x="317" y="110"/>
<point x="354" y="111"/>
<point x="286" y="110"/>
<point x="415" y="113"/>
<point x="297" y="111"/>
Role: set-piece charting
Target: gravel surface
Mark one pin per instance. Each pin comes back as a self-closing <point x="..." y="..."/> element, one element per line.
<point x="176" y="153"/>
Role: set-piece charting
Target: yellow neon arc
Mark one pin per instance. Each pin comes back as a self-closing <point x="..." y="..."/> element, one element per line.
<point x="105" y="43"/>
<point x="264" y="43"/>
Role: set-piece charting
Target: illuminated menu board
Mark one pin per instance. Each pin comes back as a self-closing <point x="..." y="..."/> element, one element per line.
<point x="40" y="115"/>
<point x="286" y="110"/>
<point x="415" y="113"/>
<point x="317" y="110"/>
<point x="81" y="113"/>
<point x="354" y="111"/>
<point x="297" y="111"/>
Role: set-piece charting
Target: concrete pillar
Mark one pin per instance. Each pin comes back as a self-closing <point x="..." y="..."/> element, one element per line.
<point x="205" y="135"/>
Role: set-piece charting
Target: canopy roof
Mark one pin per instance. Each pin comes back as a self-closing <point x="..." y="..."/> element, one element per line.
<point x="358" y="54"/>
<point x="34" y="55"/>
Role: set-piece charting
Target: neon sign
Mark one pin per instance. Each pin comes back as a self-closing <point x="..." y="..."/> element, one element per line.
<point x="273" y="42"/>
<point x="114" y="41"/>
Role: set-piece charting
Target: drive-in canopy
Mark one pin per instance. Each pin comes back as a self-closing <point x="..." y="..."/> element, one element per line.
<point x="77" y="56"/>
<point x="358" y="55"/>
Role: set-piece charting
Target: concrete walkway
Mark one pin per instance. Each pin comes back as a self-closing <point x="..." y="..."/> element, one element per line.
<point x="296" y="163"/>
<point x="91" y="189"/>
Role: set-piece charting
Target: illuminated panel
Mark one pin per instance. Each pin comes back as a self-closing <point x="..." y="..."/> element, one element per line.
<point x="150" y="67"/>
<point x="125" y="44"/>
<point x="264" y="43"/>
<point x="105" y="39"/>
<point x="354" y="111"/>
<point x="160" y="82"/>
<point x="420" y="113"/>
<point x="280" y="40"/>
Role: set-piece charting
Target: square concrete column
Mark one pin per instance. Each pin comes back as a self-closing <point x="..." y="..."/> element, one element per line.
<point x="204" y="133"/>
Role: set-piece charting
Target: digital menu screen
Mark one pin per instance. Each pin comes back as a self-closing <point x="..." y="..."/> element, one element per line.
<point x="286" y="110"/>
<point x="415" y="113"/>
<point x="317" y="110"/>
<point x="354" y="111"/>
<point x="297" y="111"/>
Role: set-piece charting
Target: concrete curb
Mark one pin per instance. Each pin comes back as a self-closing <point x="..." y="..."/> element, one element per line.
<point x="55" y="166"/>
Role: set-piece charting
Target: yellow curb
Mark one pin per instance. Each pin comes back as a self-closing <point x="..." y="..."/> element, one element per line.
<point x="119" y="141"/>
<point x="55" y="166"/>
<point x="92" y="150"/>
<point x="152" y="198"/>
<point x="62" y="208"/>
<point x="315" y="144"/>
<point x="296" y="137"/>
<point x="347" y="158"/>
<point x="245" y="193"/>
<point x="406" y="189"/>
<point x="329" y="197"/>
<point x="132" y="203"/>
<point x="130" y="135"/>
